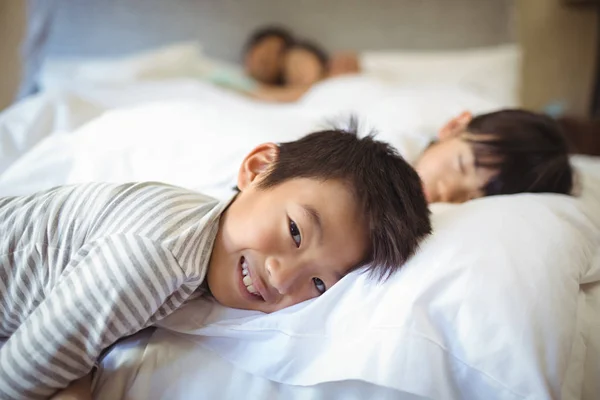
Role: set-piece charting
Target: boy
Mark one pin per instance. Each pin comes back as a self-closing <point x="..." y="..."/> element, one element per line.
<point x="503" y="152"/>
<point x="82" y="266"/>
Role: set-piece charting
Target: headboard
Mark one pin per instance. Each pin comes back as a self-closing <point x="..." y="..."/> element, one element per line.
<point x="112" y="27"/>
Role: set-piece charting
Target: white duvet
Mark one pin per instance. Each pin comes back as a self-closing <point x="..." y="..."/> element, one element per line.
<point x="501" y="303"/>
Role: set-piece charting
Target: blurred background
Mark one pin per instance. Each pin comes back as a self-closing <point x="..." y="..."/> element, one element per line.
<point x="558" y="39"/>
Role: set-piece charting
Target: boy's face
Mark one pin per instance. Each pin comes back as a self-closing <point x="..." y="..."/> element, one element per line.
<point x="280" y="246"/>
<point x="447" y="168"/>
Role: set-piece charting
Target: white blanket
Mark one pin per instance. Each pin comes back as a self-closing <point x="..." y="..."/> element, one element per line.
<point x="187" y="126"/>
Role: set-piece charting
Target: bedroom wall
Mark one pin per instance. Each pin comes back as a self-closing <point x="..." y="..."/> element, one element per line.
<point x="560" y="47"/>
<point x="105" y="27"/>
<point x="12" y="28"/>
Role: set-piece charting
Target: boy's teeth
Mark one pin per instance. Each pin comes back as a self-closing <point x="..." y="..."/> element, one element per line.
<point x="247" y="280"/>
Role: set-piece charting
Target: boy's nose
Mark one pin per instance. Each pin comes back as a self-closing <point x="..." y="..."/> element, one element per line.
<point x="282" y="275"/>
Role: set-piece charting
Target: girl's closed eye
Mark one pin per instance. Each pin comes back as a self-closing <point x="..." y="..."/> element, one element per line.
<point x="295" y="233"/>
<point x="319" y="285"/>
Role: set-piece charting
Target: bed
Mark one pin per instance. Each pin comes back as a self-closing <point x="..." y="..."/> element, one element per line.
<point x="502" y="302"/>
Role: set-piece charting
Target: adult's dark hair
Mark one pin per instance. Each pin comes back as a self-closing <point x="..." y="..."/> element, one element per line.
<point x="528" y="150"/>
<point x="266" y="32"/>
<point x="387" y="189"/>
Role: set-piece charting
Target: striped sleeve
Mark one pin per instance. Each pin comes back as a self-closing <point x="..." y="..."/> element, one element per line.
<point x="112" y="289"/>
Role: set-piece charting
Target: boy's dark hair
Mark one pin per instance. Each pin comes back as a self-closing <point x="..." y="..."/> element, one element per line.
<point x="265" y="32"/>
<point x="528" y="150"/>
<point x="387" y="189"/>
<point x="312" y="48"/>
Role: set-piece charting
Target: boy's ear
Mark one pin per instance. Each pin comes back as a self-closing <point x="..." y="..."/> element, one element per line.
<point x="256" y="163"/>
<point x="455" y="126"/>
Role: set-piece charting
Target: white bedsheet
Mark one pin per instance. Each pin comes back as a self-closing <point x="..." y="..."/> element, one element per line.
<point x="182" y="370"/>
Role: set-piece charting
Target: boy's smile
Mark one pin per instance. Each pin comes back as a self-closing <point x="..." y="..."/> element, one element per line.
<point x="282" y="245"/>
<point x="252" y="284"/>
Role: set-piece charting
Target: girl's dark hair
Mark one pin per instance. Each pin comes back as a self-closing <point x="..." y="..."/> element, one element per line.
<point x="387" y="189"/>
<point x="528" y="150"/>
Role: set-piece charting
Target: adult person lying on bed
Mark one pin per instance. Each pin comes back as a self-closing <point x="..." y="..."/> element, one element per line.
<point x="304" y="64"/>
<point x="277" y="68"/>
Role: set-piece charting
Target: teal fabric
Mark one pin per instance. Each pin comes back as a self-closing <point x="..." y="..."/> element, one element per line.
<point x="232" y="80"/>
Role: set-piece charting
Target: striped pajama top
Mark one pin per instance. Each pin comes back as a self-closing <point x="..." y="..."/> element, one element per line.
<point x="84" y="265"/>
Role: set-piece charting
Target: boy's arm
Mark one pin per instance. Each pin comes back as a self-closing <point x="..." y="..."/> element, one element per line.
<point x="110" y="289"/>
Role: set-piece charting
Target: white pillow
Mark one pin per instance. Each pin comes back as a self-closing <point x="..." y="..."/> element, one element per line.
<point x="491" y="71"/>
<point x="490" y="308"/>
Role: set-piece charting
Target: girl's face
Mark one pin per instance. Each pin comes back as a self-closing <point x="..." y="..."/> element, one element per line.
<point x="448" y="169"/>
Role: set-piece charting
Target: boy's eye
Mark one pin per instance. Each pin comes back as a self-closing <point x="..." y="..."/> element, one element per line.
<point x="320" y="285"/>
<point x="295" y="232"/>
